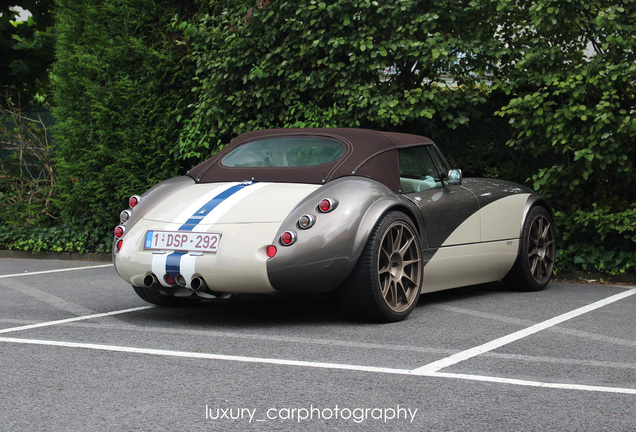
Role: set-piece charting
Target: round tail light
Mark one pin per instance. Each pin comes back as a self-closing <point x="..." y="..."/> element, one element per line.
<point x="326" y="205"/>
<point x="124" y="216"/>
<point x="288" y="238"/>
<point x="271" y="251"/>
<point x="134" y="200"/>
<point x="118" y="231"/>
<point x="306" y="221"/>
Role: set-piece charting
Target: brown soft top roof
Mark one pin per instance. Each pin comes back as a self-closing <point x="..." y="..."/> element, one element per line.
<point x="369" y="153"/>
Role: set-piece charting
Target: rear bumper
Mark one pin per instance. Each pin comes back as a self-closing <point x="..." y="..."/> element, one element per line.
<point x="239" y="266"/>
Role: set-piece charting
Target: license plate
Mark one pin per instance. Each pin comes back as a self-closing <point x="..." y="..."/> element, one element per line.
<point x="182" y="240"/>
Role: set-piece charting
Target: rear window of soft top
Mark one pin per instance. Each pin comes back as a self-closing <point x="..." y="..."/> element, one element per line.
<point x="285" y="152"/>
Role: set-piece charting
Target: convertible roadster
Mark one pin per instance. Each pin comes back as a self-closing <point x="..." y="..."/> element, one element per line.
<point x="375" y="217"/>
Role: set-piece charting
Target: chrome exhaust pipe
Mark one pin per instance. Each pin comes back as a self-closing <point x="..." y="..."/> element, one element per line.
<point x="151" y="281"/>
<point x="199" y="285"/>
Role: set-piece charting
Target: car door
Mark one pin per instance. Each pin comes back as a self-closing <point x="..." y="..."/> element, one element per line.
<point x="450" y="211"/>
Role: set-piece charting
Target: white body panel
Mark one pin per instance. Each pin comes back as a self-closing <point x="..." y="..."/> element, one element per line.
<point x="472" y="264"/>
<point x="503" y="218"/>
<point x="499" y="224"/>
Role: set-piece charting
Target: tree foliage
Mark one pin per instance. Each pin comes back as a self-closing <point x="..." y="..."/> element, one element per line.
<point x="572" y="77"/>
<point x="27" y="180"/>
<point x="121" y="89"/>
<point x="350" y="63"/>
<point x="26" y="52"/>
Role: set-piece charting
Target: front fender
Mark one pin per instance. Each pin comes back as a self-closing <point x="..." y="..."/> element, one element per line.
<point x="324" y="255"/>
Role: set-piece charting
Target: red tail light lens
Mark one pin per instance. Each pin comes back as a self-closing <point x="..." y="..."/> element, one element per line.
<point x="326" y="205"/>
<point x="169" y="279"/>
<point x="271" y="251"/>
<point x="288" y="238"/>
<point x="120" y="243"/>
<point x="133" y="201"/>
<point x="118" y="231"/>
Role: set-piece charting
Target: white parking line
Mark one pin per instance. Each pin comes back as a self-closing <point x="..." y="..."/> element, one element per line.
<point x="55" y="271"/>
<point x="505" y="340"/>
<point x="68" y="320"/>
<point x="320" y="365"/>
<point x="430" y="370"/>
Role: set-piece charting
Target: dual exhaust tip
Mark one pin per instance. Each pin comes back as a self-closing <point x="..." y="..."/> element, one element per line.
<point x="197" y="283"/>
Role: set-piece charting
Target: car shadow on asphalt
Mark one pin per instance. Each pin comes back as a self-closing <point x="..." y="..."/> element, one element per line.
<point x="277" y="310"/>
<point x="462" y="293"/>
<point x="252" y="310"/>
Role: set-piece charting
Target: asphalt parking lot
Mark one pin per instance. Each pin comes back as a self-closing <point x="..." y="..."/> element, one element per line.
<point x="81" y="352"/>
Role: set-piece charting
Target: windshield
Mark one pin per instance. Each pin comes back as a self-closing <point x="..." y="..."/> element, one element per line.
<point x="285" y="152"/>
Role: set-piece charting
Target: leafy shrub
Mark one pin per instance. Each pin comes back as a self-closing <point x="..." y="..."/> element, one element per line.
<point x="27" y="180"/>
<point x="386" y="65"/>
<point x="67" y="237"/>
<point x="571" y="73"/>
<point x="121" y="89"/>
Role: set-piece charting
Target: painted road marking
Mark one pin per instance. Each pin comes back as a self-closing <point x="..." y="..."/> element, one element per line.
<point x="430" y="370"/>
<point x="505" y="340"/>
<point x="69" y="320"/>
<point x="55" y="271"/>
<point x="320" y="365"/>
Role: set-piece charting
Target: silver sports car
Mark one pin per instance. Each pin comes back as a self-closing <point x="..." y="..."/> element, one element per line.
<point x="375" y="217"/>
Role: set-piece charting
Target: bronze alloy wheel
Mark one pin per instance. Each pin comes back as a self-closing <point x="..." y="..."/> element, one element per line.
<point x="537" y="251"/>
<point x="385" y="284"/>
<point x="541" y="249"/>
<point x="399" y="267"/>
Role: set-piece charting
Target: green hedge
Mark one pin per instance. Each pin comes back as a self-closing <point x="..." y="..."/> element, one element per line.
<point x="64" y="237"/>
<point x="121" y="89"/>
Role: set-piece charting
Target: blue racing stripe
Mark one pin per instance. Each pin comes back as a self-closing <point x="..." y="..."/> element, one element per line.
<point x="197" y="217"/>
<point x="173" y="261"/>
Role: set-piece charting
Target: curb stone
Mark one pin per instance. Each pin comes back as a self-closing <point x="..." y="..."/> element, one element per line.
<point x="61" y="256"/>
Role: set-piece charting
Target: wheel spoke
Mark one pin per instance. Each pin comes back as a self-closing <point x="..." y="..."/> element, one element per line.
<point x="392" y="293"/>
<point x="546" y="231"/>
<point x="411" y="262"/>
<point x="539" y="228"/>
<point x="409" y="279"/>
<point x="406" y="246"/>
<point x="385" y="282"/>
<point x="533" y="265"/>
<point x="543" y="271"/>
<point x="384" y="261"/>
<point x="399" y="289"/>
<point x="397" y="238"/>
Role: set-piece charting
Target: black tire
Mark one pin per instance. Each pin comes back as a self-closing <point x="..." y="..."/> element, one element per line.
<point x="386" y="282"/>
<point x="533" y="268"/>
<point x="154" y="296"/>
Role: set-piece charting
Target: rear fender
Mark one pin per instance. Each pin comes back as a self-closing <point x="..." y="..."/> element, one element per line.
<point x="151" y="198"/>
<point x="325" y="254"/>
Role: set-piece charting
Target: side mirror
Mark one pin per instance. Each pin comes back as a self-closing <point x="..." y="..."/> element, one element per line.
<point x="452" y="177"/>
